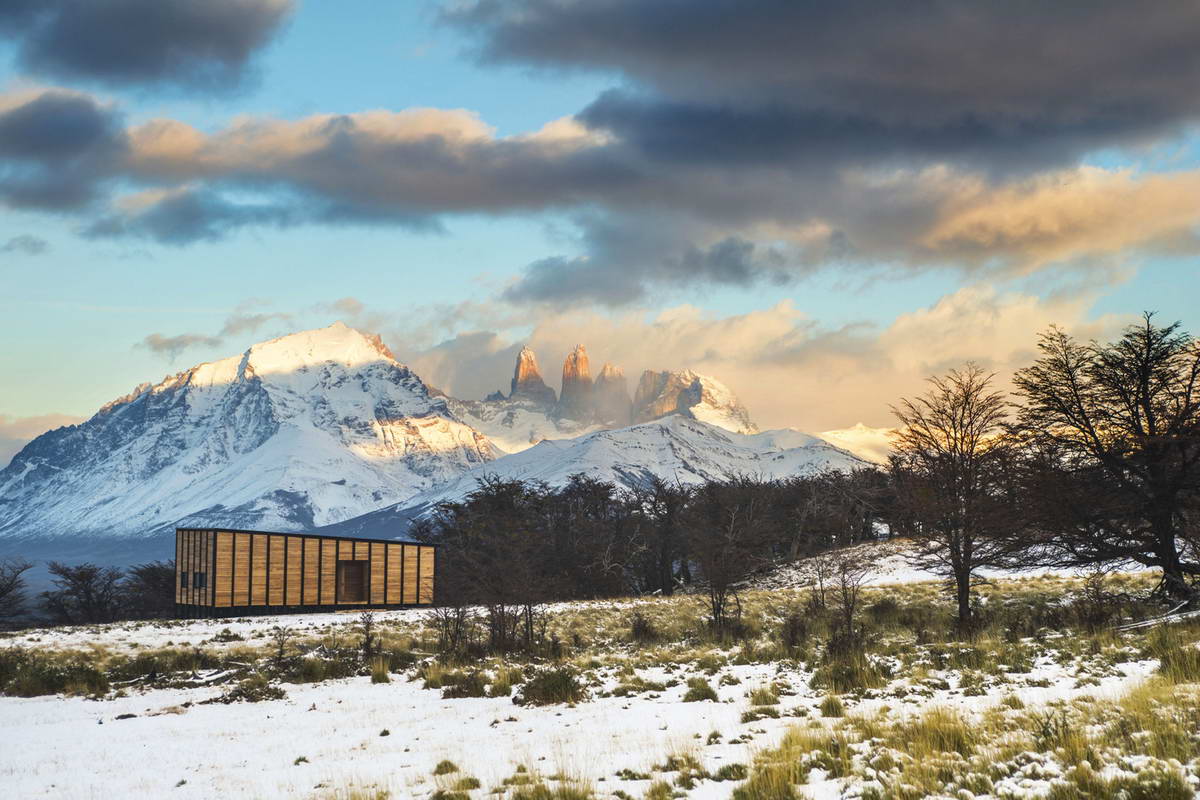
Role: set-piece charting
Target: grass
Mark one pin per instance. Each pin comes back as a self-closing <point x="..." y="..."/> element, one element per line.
<point x="699" y="690"/>
<point x="551" y="685"/>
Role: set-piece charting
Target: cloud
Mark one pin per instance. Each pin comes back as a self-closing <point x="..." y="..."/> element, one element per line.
<point x="789" y="368"/>
<point x="195" y="45"/>
<point x="16" y="432"/>
<point x="173" y="346"/>
<point x="56" y="148"/>
<point x="25" y="244"/>
<point x="789" y="77"/>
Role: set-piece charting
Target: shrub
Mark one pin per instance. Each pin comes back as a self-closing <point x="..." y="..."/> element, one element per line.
<point x="642" y="630"/>
<point x="794" y="631"/>
<point x="549" y="686"/>
<point x="731" y="772"/>
<point x="464" y="684"/>
<point x="30" y="673"/>
<point x="764" y="696"/>
<point x="379" y="670"/>
<point x="445" y="767"/>
<point x="254" y="689"/>
<point x="699" y="689"/>
<point x="832" y="706"/>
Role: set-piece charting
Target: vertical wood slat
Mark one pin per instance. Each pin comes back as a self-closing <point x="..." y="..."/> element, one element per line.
<point x="377" y="572"/>
<point x="276" y="570"/>
<point x="425" y="595"/>
<point x="328" y="572"/>
<point x="258" y="569"/>
<point x="394" y="557"/>
<point x="223" y="570"/>
<point x="295" y="568"/>
<point x="241" y="569"/>
<point x="410" y="575"/>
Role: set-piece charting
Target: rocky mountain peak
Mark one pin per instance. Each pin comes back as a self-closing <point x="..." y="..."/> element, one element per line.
<point x="527" y="383"/>
<point x="611" y="394"/>
<point x="576" y="401"/>
<point x="701" y="397"/>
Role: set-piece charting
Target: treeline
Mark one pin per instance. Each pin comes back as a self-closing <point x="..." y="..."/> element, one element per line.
<point x="1093" y="462"/>
<point x="87" y="593"/>
<point x="512" y="545"/>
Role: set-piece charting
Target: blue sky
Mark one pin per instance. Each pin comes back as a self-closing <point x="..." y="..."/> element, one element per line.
<point x="872" y="251"/>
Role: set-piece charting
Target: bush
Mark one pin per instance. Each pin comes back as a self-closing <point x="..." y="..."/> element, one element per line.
<point x="445" y="767"/>
<point x="641" y="629"/>
<point x="30" y="673"/>
<point x="254" y="689"/>
<point x="379" y="670"/>
<point x="548" y="686"/>
<point x="464" y="684"/>
<point x="699" y="689"/>
<point x="831" y="706"/>
<point x="794" y="632"/>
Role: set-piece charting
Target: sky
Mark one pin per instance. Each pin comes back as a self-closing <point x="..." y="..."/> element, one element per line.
<point x="819" y="204"/>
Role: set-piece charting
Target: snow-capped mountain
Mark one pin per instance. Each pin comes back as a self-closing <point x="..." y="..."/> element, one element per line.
<point x="532" y="412"/>
<point x="301" y="431"/>
<point x="697" y="396"/>
<point x="675" y="448"/>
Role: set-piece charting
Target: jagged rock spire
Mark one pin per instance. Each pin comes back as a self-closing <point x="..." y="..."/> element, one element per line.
<point x="527" y="383"/>
<point x="576" y="400"/>
<point x="611" y="393"/>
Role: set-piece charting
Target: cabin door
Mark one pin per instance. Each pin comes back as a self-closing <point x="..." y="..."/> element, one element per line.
<point x="352" y="581"/>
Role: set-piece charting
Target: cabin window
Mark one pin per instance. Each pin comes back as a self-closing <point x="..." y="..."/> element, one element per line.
<point x="183" y="580"/>
<point x="351" y="581"/>
<point x="200" y="580"/>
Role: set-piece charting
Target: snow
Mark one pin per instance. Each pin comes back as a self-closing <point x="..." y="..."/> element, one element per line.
<point x="869" y="444"/>
<point x="300" y="431"/>
<point x="890" y="563"/>
<point x="68" y="747"/>
<point x="674" y="448"/>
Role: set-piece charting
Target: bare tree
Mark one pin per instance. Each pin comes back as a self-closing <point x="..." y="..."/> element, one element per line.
<point x="1115" y="429"/>
<point x="729" y="533"/>
<point x="951" y="474"/>
<point x="12" y="588"/>
<point x="149" y="589"/>
<point x="82" y="594"/>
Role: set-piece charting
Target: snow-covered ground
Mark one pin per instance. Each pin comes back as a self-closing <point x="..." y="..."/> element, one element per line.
<point x="69" y="747"/>
<point x="890" y="562"/>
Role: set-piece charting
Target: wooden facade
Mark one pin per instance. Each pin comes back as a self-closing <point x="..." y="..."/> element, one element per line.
<point x="220" y="571"/>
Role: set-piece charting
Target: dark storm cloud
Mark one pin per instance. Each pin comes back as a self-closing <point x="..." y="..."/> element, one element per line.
<point x="56" y="147"/>
<point x="143" y="42"/>
<point x="963" y="72"/>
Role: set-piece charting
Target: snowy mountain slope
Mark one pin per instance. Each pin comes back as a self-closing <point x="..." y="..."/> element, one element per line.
<point x="697" y="396"/>
<point x="870" y="444"/>
<point x="674" y="448"/>
<point x="516" y="424"/>
<point x="300" y="431"/>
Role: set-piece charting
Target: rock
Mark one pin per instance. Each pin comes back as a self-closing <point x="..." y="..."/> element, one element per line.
<point x="577" y="401"/>
<point x="611" y="397"/>
<point x="527" y="383"/>
<point x="660" y="394"/>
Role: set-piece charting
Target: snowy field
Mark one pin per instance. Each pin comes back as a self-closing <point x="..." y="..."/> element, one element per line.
<point x="350" y="737"/>
<point x="79" y="748"/>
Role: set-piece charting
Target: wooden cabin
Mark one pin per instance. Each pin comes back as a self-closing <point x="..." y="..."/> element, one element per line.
<point x="221" y="572"/>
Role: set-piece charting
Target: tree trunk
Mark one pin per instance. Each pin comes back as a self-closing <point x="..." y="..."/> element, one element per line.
<point x="962" y="591"/>
<point x="1175" y="582"/>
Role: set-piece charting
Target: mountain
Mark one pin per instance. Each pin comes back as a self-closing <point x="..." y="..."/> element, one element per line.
<point x="674" y="448"/>
<point x="869" y="444"/>
<point x="695" y="396"/>
<point x="527" y="383"/>
<point x="611" y="402"/>
<point x="576" y="400"/>
<point x="294" y="433"/>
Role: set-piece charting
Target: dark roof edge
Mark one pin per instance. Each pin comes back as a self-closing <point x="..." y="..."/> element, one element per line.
<point x="220" y="529"/>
